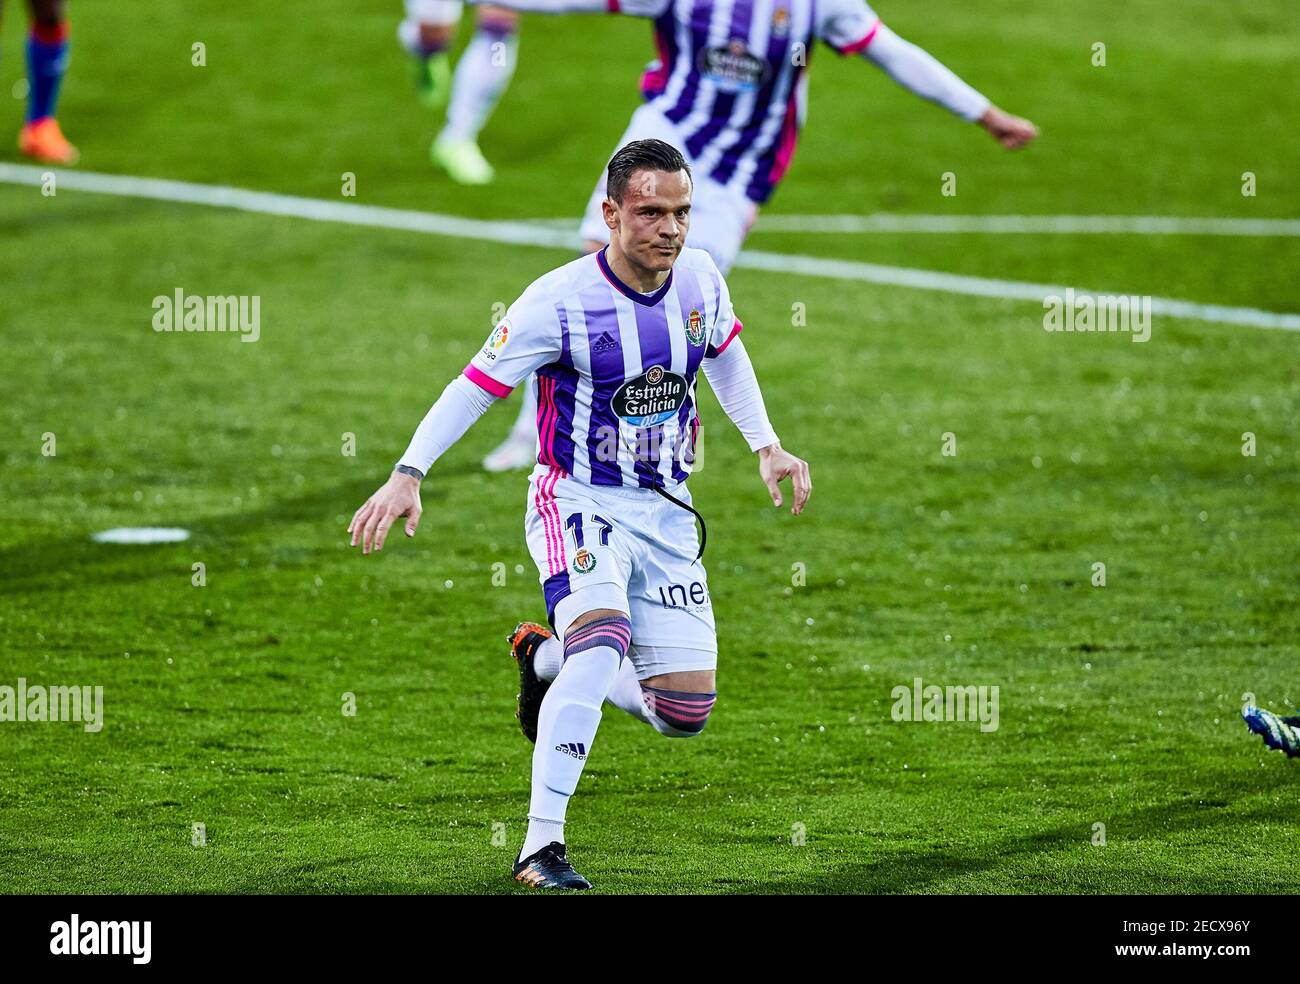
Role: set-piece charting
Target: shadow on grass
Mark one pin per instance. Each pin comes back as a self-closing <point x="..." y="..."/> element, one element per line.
<point x="75" y="563"/>
<point x="917" y="870"/>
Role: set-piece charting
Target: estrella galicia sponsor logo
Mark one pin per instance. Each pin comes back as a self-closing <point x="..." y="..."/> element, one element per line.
<point x="732" y="68"/>
<point x="651" y="398"/>
<point x="695" y="327"/>
<point x="584" y="561"/>
<point x="496" y="341"/>
<point x="576" y="749"/>
<point x="693" y="597"/>
<point x="75" y="938"/>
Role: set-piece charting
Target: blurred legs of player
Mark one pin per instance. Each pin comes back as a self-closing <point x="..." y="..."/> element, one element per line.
<point x="1279" y="733"/>
<point x="720" y="220"/>
<point x="47" y="59"/>
<point x="427" y="31"/>
<point x="633" y="575"/>
<point x="472" y="93"/>
<point x="482" y="75"/>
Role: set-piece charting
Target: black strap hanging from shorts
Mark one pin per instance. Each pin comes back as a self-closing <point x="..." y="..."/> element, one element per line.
<point x="704" y="530"/>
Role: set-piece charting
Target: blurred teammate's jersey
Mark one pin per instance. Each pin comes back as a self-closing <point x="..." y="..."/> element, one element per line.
<point x="732" y="77"/>
<point x="615" y="367"/>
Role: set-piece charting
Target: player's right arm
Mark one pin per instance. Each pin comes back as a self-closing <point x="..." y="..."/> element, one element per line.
<point x="852" y="27"/>
<point x="527" y="338"/>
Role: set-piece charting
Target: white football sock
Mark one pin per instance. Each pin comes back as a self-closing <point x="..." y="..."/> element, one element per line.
<point x="540" y="833"/>
<point x="548" y="658"/>
<point x="566" y="725"/>
<point x="628" y="695"/>
<point x="482" y="74"/>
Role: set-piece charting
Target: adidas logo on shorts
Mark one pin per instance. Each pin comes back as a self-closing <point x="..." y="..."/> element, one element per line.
<point x="575" y="748"/>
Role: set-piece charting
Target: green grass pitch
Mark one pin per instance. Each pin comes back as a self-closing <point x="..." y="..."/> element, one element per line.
<point x="1119" y="705"/>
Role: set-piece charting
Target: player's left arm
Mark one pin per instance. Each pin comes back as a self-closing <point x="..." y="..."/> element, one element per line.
<point x="731" y="377"/>
<point x="851" y="27"/>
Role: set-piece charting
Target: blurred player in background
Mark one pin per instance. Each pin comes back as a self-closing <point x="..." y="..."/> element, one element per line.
<point x="47" y="60"/>
<point x="729" y="90"/>
<point x="1281" y="733"/>
<point x="481" y="77"/>
<point x="618" y="339"/>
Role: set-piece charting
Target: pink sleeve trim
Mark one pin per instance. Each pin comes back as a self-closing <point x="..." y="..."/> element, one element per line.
<point x="856" y="46"/>
<point x="476" y="375"/>
<point x="735" y="330"/>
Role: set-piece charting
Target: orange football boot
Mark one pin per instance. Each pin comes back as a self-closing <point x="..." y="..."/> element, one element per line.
<point x="43" y="141"/>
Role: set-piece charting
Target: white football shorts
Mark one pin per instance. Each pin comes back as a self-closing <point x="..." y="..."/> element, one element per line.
<point x="434" y="11"/>
<point x="626" y="549"/>
<point x="720" y="216"/>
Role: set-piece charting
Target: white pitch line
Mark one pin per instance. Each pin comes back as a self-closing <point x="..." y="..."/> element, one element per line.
<point x="268" y="203"/>
<point x="527" y="234"/>
<point x="1142" y="225"/>
<point x="953" y="283"/>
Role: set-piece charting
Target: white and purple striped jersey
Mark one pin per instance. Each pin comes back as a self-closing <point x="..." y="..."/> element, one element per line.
<point x="732" y="77"/>
<point x="615" y="368"/>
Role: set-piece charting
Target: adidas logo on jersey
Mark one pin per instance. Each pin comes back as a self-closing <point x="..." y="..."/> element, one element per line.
<point x="605" y="343"/>
<point x="575" y="748"/>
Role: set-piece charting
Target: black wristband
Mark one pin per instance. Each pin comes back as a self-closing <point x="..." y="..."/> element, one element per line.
<point x="415" y="473"/>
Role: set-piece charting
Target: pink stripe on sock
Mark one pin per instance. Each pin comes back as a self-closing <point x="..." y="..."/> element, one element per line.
<point x="620" y="633"/>
<point x="684" y="701"/>
<point x="671" y="716"/>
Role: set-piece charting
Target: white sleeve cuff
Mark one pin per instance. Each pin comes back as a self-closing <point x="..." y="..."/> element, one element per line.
<point x="916" y="69"/>
<point x="461" y="403"/>
<point x="731" y="377"/>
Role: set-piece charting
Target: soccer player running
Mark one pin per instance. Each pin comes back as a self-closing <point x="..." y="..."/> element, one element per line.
<point x="730" y="90"/>
<point x="616" y="339"/>
<point x="482" y="76"/>
<point x="47" y="60"/>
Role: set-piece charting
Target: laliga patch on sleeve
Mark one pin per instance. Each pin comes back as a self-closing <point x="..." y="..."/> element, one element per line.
<point x="497" y="341"/>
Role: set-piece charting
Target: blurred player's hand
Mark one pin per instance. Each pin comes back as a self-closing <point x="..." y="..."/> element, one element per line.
<point x="399" y="496"/>
<point x="1010" y="131"/>
<point x="774" y="464"/>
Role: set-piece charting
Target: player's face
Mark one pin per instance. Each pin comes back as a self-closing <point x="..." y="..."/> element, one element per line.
<point x="651" y="221"/>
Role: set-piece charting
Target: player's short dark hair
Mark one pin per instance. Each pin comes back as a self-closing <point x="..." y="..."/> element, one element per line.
<point x="642" y="155"/>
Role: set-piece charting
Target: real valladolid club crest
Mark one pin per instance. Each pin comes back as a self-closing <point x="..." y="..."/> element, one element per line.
<point x="780" y="22"/>
<point x="695" y="327"/>
<point x="584" y="561"/>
